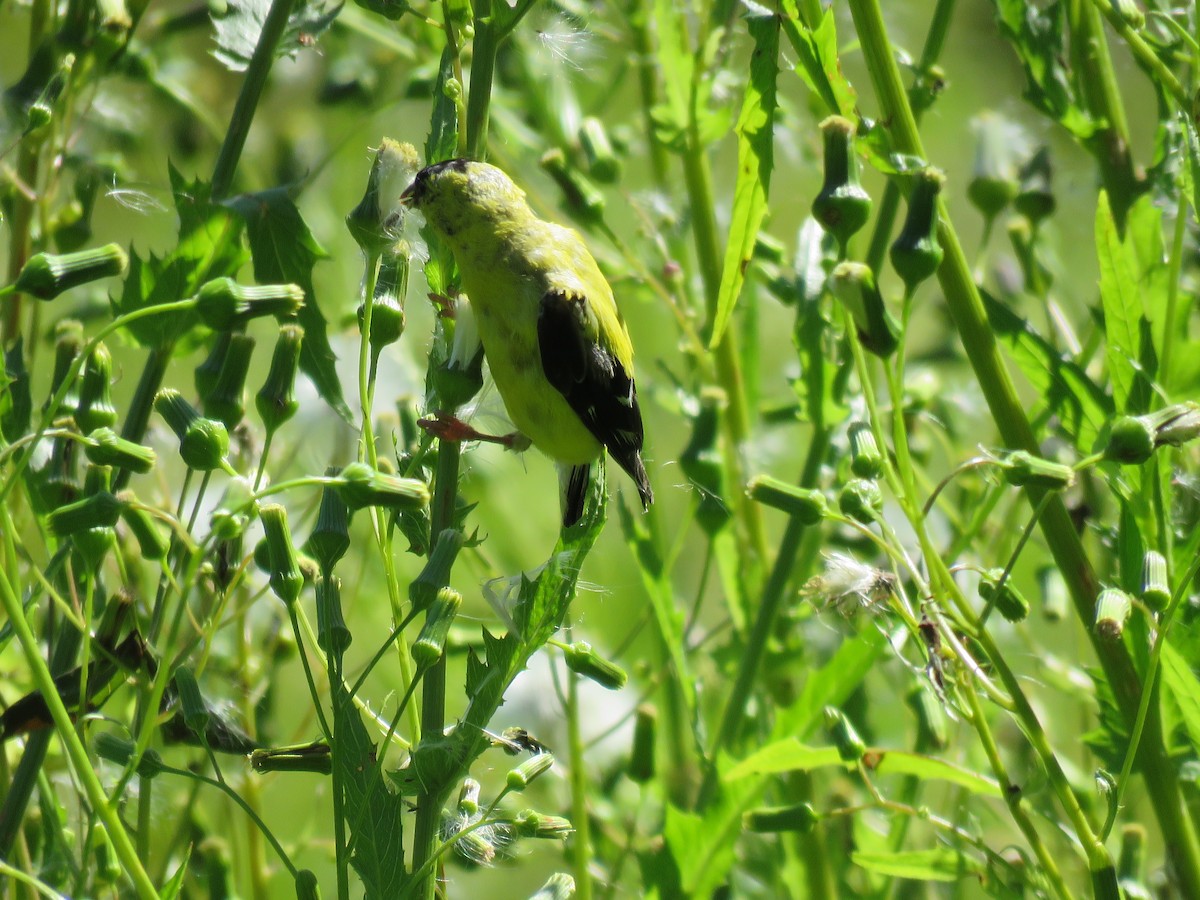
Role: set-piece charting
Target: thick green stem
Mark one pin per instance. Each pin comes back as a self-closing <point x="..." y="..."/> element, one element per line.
<point x="581" y="846"/>
<point x="433" y="684"/>
<point x="253" y="85"/>
<point x="76" y="752"/>
<point x="1097" y="82"/>
<point x="483" y="67"/>
<point x="1059" y="531"/>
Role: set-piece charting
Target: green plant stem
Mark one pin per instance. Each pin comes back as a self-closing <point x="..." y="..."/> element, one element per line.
<point x="1097" y="83"/>
<point x="1145" y="56"/>
<point x="137" y="416"/>
<point x="253" y="84"/>
<point x="709" y="254"/>
<point x="1061" y="537"/>
<point x="581" y="840"/>
<point x="76" y="752"/>
<point x="484" y="47"/>
<point x="433" y="685"/>
<point x="1013" y="796"/>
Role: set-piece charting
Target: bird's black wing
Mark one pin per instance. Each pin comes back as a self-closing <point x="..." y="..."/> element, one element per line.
<point x="594" y="383"/>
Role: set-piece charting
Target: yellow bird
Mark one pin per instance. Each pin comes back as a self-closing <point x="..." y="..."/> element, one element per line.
<point x="554" y="340"/>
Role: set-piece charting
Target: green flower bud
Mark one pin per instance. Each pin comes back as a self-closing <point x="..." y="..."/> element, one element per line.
<point x="1130" y="13"/>
<point x="377" y="221"/>
<point x="1130" y="441"/>
<point x="144" y="529"/>
<point x="285" y="578"/>
<point x="423" y="589"/>
<point x="799" y="817"/>
<point x="330" y="537"/>
<point x="559" y="886"/>
<point x="206" y="374"/>
<point x="854" y="285"/>
<point x="582" y="660"/>
<point x="468" y="798"/>
<point x="842" y="207"/>
<point x="238" y="505"/>
<point x="47" y="275"/>
<point x="332" y="634"/>
<point x="1009" y="602"/>
<point x="316" y="757"/>
<point x="431" y="642"/>
<point x="527" y="772"/>
<point x="932" y="733"/>
<point x="1035" y="196"/>
<point x="307" y="887"/>
<point x="806" y="505"/>
<point x="865" y="459"/>
<point x="100" y="510"/>
<point x="861" y="500"/>
<point x="16" y="399"/>
<point x="105" y="447"/>
<point x="203" y="443"/>
<point x="120" y="751"/>
<point x="226" y="402"/>
<point x="387" y="308"/>
<point x="851" y="748"/>
<point x="1022" y="468"/>
<point x="106" y="864"/>
<point x="603" y="164"/>
<point x="641" y="758"/>
<point x="222" y="304"/>
<point x="68" y="343"/>
<point x="276" y="400"/>
<point x="1156" y="590"/>
<point x="1131" y="863"/>
<point x="360" y="485"/>
<point x="535" y="825"/>
<point x="1112" y="612"/>
<point x="195" y="711"/>
<point x="582" y="198"/>
<point x="95" y="407"/>
<point x="1176" y="425"/>
<point x="994" y="182"/>
<point x="703" y="465"/>
<point x="916" y="254"/>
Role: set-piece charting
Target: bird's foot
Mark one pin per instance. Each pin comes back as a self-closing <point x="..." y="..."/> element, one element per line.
<point x="451" y="428"/>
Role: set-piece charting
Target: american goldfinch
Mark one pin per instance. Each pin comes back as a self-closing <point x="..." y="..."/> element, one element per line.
<point x="556" y="345"/>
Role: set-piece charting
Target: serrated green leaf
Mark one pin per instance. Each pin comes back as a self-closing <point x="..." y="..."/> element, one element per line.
<point x="756" y="138"/>
<point x="442" y="142"/>
<point x="285" y="251"/>
<point x="209" y="246"/>
<point x="1184" y="687"/>
<point x="817" y="60"/>
<point x="1124" y="313"/>
<point x="1037" y="36"/>
<point x="1063" y="387"/>
<point x="238" y="28"/>
<point x="374" y="814"/>
<point x="940" y="864"/>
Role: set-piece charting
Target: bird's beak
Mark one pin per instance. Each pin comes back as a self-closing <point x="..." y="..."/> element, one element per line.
<point x="407" y="198"/>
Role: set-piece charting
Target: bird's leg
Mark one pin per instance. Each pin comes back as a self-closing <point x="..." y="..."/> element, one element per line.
<point x="447" y="427"/>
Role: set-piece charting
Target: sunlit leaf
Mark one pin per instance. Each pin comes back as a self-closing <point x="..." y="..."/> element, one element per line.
<point x="756" y="136"/>
<point x="284" y="251"/>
